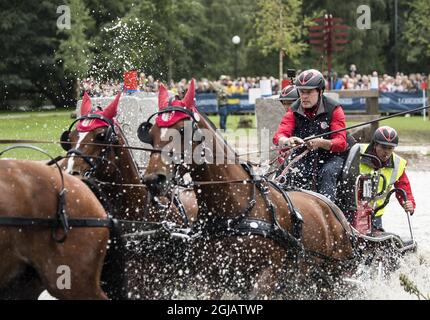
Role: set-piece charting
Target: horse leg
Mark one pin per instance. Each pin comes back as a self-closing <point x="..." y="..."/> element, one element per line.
<point x="76" y="283"/>
<point x="73" y="270"/>
<point x="25" y="286"/>
<point x="265" y="283"/>
<point x="112" y="277"/>
<point x="18" y="281"/>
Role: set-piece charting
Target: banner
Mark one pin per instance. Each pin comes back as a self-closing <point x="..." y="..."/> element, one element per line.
<point x="254" y="94"/>
<point x="389" y="102"/>
<point x="266" y="88"/>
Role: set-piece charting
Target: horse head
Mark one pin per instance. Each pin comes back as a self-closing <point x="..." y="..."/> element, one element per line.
<point x="171" y="137"/>
<point x="89" y="145"/>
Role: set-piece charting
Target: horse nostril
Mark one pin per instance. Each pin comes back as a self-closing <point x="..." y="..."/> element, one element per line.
<point x="156" y="183"/>
<point x="161" y="179"/>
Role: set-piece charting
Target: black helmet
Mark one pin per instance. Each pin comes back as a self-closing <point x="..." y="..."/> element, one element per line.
<point x="386" y="136"/>
<point x="310" y="79"/>
<point x="289" y="93"/>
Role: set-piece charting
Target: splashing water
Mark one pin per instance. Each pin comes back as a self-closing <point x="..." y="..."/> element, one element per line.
<point x="415" y="266"/>
<point x="129" y="46"/>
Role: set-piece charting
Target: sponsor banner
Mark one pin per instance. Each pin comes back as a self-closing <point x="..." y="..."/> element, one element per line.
<point x="388" y="102"/>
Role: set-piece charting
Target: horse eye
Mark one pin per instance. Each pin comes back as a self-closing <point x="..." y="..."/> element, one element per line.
<point x="100" y="137"/>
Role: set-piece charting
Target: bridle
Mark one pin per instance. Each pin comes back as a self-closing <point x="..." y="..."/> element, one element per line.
<point x="144" y="135"/>
<point x="110" y="138"/>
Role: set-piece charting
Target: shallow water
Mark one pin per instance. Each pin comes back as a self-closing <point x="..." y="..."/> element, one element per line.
<point x="415" y="266"/>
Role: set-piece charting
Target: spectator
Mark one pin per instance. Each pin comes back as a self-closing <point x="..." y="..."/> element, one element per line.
<point x="336" y="82"/>
<point x="222" y="97"/>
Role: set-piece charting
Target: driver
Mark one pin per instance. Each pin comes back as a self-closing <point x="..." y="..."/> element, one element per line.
<point x="385" y="140"/>
<point x="315" y="114"/>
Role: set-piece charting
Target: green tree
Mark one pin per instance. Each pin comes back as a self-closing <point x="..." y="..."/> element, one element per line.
<point x="105" y="11"/>
<point x="161" y="38"/>
<point x="74" y="50"/>
<point x="369" y="49"/>
<point x="416" y="34"/>
<point x="28" y="40"/>
<point x="279" y="29"/>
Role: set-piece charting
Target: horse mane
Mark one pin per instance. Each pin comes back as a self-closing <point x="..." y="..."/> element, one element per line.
<point x="217" y="135"/>
<point x="127" y="144"/>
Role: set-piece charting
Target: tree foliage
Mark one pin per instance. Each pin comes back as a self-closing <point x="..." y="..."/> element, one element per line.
<point x="75" y="49"/>
<point x="174" y="39"/>
<point x="417" y="33"/>
<point x="278" y="26"/>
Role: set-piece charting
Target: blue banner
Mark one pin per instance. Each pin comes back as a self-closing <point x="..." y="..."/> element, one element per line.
<point x="207" y="102"/>
<point x="388" y="102"/>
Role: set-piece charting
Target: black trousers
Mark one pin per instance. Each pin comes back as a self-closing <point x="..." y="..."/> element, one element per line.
<point x="321" y="176"/>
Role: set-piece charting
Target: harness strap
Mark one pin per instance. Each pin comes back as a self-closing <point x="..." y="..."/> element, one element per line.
<point x="53" y="223"/>
<point x="129" y="226"/>
<point x="296" y="216"/>
<point x="219" y="227"/>
<point x="80" y="154"/>
<point x="62" y="220"/>
<point x="177" y="202"/>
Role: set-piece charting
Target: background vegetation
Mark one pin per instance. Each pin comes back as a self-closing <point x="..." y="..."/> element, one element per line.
<point x="174" y="39"/>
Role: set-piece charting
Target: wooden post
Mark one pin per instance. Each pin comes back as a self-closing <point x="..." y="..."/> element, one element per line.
<point x="372" y="109"/>
<point x="428" y="103"/>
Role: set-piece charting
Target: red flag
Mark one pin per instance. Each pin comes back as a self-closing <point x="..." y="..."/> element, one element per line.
<point x="130" y="80"/>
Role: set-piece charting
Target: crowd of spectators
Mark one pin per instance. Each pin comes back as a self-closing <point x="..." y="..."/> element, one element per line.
<point x="148" y="84"/>
<point x="351" y="81"/>
<point x="385" y="83"/>
<point x="100" y="89"/>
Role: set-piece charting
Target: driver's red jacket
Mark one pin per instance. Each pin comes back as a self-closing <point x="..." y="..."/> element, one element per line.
<point x="338" y="140"/>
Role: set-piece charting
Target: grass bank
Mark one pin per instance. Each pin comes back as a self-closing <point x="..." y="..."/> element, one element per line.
<point x="48" y="125"/>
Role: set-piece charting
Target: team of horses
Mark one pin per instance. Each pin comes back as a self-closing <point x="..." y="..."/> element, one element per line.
<point x="227" y="229"/>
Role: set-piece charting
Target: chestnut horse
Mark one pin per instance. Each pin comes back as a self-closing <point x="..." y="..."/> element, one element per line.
<point x="98" y="152"/>
<point x="38" y="205"/>
<point x="255" y="237"/>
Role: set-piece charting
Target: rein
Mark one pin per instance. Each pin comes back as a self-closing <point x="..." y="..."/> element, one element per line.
<point x="284" y="172"/>
<point x="18" y="141"/>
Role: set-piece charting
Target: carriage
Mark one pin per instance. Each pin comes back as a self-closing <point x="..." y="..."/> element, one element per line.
<point x="381" y="250"/>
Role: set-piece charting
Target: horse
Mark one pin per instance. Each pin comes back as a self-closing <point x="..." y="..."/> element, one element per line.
<point x="52" y="228"/>
<point x="255" y="238"/>
<point x="99" y="153"/>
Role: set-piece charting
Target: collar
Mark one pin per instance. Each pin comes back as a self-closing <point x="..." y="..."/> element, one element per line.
<point x="315" y="110"/>
<point x="371" y="150"/>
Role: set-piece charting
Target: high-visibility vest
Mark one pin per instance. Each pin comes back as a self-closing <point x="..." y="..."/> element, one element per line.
<point x="391" y="175"/>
